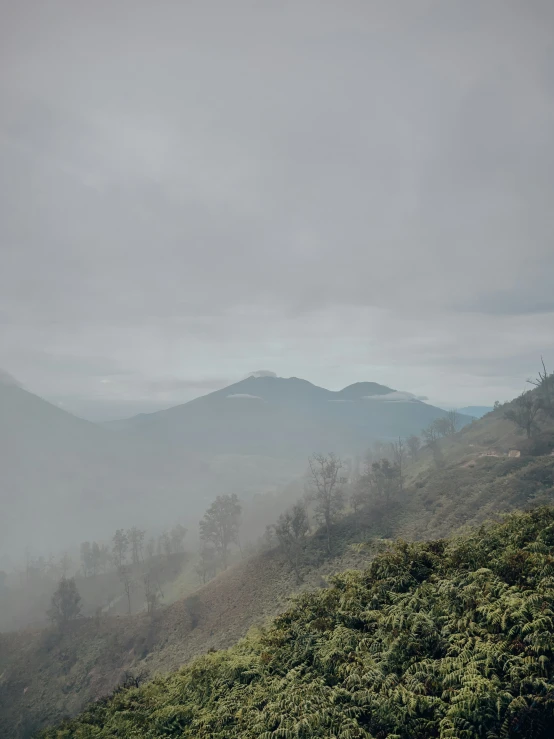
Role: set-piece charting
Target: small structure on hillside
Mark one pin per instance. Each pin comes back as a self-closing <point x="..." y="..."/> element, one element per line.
<point x="514" y="453"/>
<point x="491" y="453"/>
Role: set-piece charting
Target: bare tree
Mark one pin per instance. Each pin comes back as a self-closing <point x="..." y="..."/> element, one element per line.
<point x="447" y="425"/>
<point x="431" y="434"/>
<point x="291" y="530"/>
<point x="325" y="491"/>
<point x="220" y="525"/>
<point x="453" y="418"/>
<point x="399" y="459"/>
<point x="442" y="426"/>
<point x="65" y="604"/>
<point x="524" y="411"/>
<point x="135" y="538"/>
<point x="413" y="443"/>
<point x="544" y="385"/>
<point x="207" y="564"/>
<point x="431" y="437"/>
<point x="152" y="591"/>
<point x="120" y="544"/>
<point x="124" y="574"/>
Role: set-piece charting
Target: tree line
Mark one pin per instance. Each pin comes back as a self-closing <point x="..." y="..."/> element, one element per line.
<point x="130" y="547"/>
<point x="219" y="532"/>
<point x="131" y="556"/>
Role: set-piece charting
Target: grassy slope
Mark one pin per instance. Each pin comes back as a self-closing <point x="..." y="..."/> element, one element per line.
<point x="436" y="639"/>
<point x="471" y="488"/>
<point x="62" y="675"/>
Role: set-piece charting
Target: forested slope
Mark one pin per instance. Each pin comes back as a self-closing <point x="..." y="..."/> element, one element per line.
<point x="446" y="638"/>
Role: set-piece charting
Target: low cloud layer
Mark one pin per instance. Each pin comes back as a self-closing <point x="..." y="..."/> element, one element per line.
<point x="339" y="191"/>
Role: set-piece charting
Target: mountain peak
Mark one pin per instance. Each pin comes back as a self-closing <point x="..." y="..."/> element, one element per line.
<point x="363" y="389"/>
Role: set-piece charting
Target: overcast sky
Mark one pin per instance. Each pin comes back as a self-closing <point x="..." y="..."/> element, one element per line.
<point x="340" y="191"/>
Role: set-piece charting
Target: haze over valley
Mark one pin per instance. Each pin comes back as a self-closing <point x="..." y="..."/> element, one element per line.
<point x="66" y="479"/>
<point x="276" y="369"/>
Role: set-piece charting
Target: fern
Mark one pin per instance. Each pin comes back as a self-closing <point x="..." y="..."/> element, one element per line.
<point x="451" y="639"/>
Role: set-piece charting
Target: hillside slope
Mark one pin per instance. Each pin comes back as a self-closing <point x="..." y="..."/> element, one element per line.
<point x="476" y="479"/>
<point x="437" y="639"/>
<point x="45" y="675"/>
<point x="63" y="673"/>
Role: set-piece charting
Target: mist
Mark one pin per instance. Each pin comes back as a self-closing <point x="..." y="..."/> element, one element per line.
<point x="275" y="288"/>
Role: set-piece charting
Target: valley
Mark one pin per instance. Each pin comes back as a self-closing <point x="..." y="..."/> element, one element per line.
<point x="46" y="675"/>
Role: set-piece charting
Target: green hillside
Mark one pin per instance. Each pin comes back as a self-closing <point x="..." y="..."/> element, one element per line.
<point x="46" y="675"/>
<point x="446" y="638"/>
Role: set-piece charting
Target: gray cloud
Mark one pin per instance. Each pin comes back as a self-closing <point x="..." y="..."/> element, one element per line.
<point x="351" y="191"/>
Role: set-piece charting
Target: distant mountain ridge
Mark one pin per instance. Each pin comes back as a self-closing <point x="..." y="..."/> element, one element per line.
<point x="475" y="411"/>
<point x="290" y="391"/>
<point x="285" y="417"/>
<point x="65" y="479"/>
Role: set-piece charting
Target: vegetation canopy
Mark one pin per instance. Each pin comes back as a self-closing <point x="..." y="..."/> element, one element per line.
<point x="448" y="638"/>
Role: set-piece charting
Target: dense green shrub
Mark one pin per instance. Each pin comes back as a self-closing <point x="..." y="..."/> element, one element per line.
<point x="449" y="638"/>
